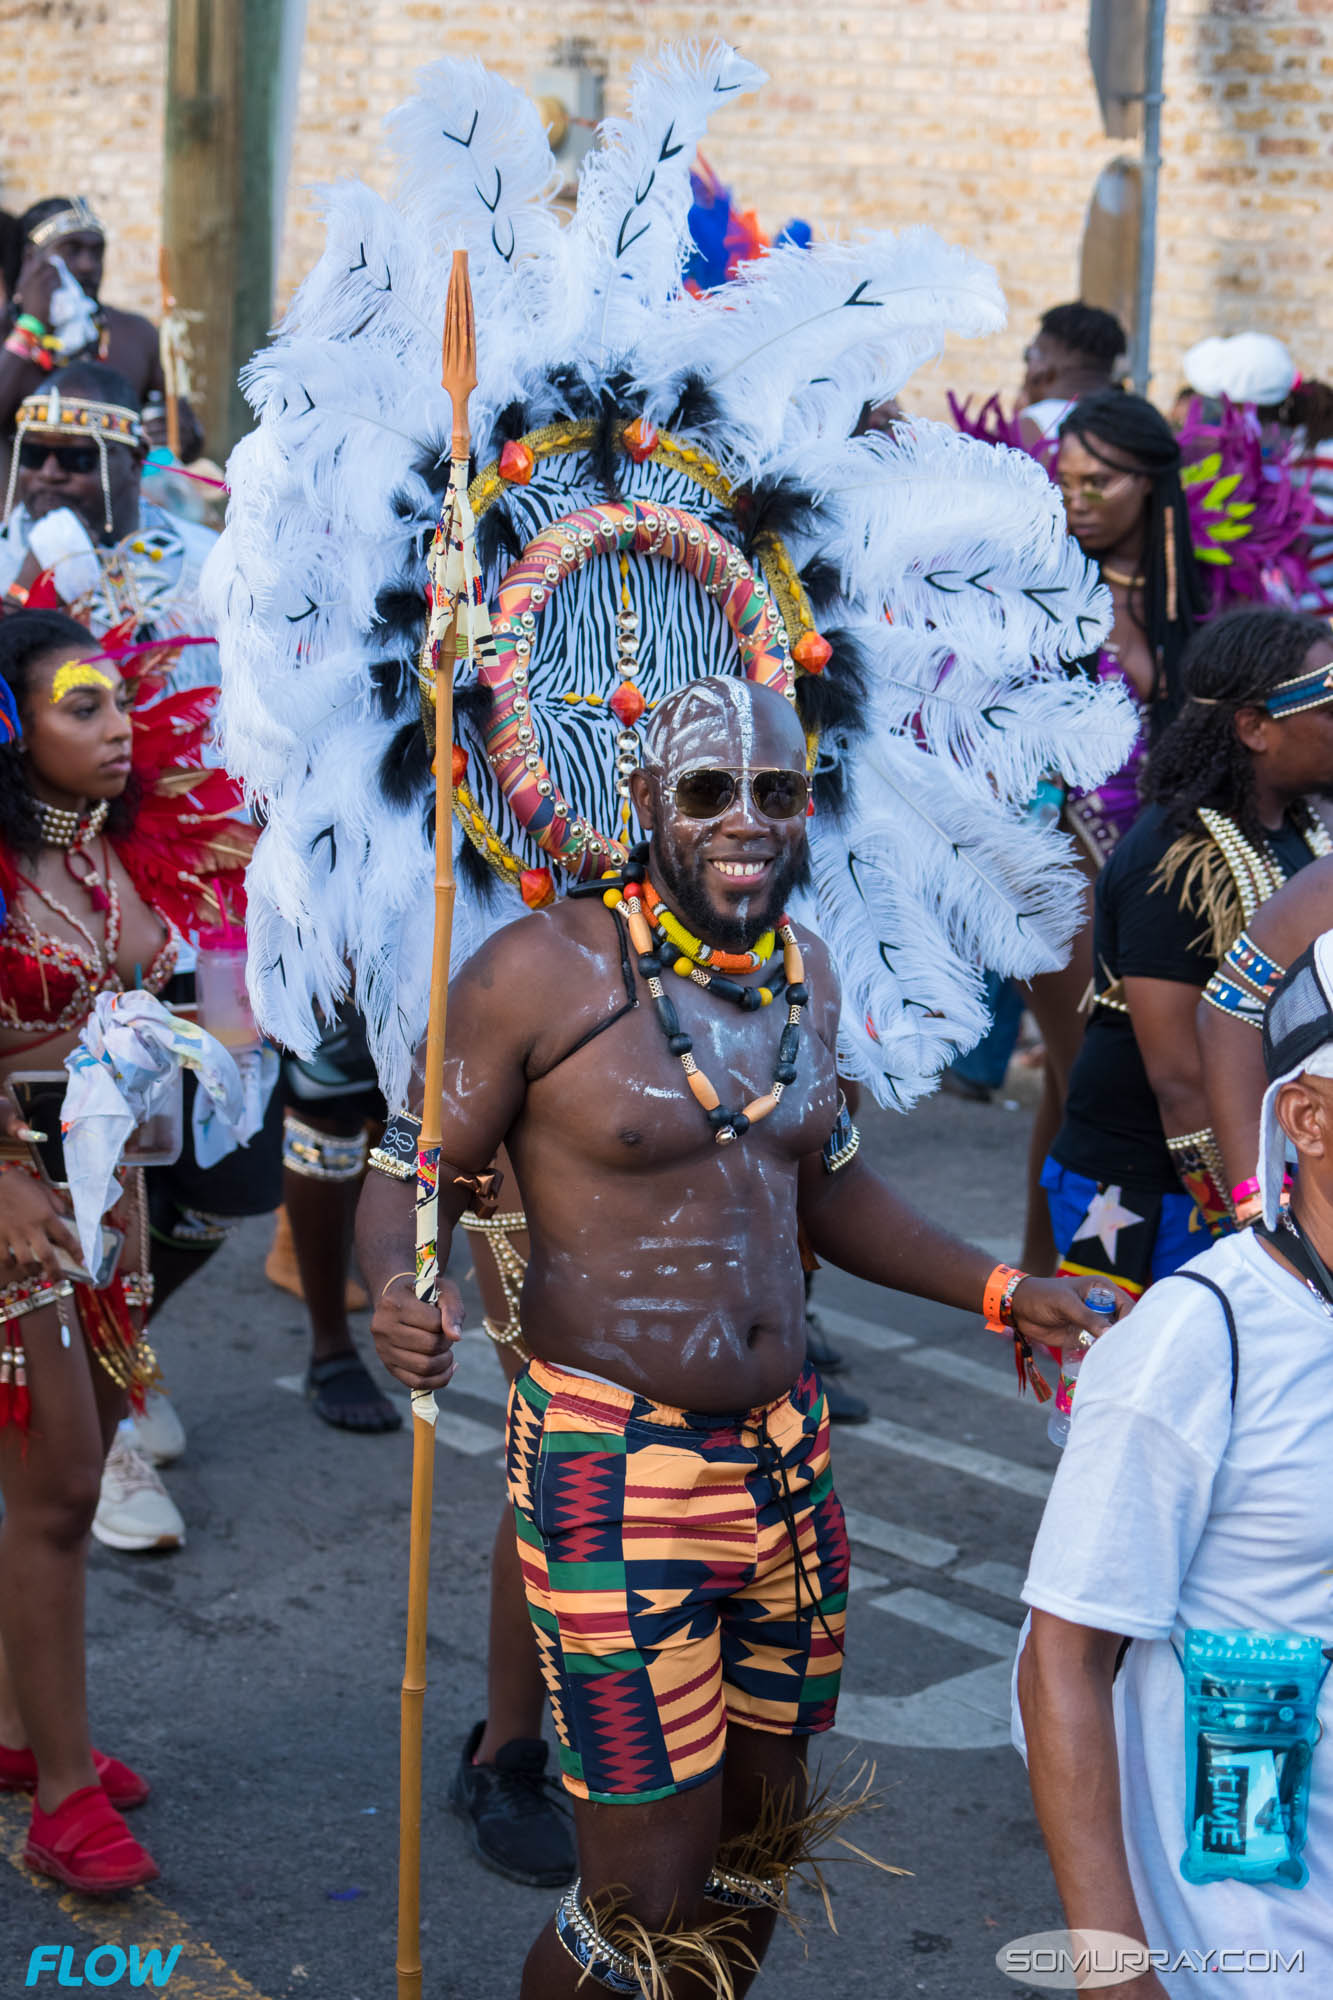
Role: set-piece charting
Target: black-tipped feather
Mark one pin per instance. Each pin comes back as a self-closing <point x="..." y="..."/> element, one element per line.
<point x="834" y="702"/>
<point x="773" y="507"/>
<point x="823" y="586"/>
<point x="405" y="767"/>
<point x="498" y="541"/>
<point x="394" y="682"/>
<point x="696" y="408"/>
<point x="475" y="878"/>
<point x="400" y="611"/>
<point x="432" y="465"/>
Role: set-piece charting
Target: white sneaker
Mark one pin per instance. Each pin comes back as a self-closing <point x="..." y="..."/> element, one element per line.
<point x="135" y="1510"/>
<point x="159" y="1432"/>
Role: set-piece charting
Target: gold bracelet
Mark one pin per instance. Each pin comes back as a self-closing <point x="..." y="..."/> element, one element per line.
<point x="394" y="1280"/>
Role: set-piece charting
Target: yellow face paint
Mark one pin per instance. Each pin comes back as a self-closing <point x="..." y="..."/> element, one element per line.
<point x="78" y="674"/>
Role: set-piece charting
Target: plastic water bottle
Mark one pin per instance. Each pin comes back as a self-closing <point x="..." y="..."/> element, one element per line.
<point x="1099" y="1299"/>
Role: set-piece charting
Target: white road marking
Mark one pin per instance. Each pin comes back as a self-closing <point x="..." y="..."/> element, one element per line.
<point x="462" y="1433"/>
<point x="987" y="1465"/>
<point x="866" y="1333"/>
<point x="957" y="1367"/>
<point x="969" y="1712"/>
<point x="864" y="1579"/>
<point x="955" y="1621"/>
<point x="925" y="1551"/>
<point x="477" y="1375"/>
<point x="1000" y="1579"/>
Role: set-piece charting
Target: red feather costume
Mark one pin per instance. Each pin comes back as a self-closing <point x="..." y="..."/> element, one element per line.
<point x="186" y="854"/>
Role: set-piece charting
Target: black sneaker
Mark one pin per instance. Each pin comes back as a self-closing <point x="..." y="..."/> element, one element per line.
<point x="819" y="1348"/>
<point x="511" y="1808"/>
<point x="843" y="1406"/>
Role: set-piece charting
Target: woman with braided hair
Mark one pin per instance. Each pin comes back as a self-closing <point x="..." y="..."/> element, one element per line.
<point x="1134" y="1177"/>
<point x="1119" y="472"/>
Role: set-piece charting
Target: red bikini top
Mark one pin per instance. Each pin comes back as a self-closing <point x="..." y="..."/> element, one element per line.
<point x="48" y="985"/>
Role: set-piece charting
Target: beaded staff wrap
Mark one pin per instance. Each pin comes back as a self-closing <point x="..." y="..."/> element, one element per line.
<point x="638" y="528"/>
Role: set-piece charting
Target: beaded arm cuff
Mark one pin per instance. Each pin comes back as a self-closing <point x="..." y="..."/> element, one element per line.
<point x="840" y="1148"/>
<point x="396" y="1154"/>
<point x="1244" y="982"/>
<point x="1198" y="1162"/>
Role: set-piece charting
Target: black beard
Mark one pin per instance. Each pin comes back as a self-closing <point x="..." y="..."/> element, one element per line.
<point x="685" y="888"/>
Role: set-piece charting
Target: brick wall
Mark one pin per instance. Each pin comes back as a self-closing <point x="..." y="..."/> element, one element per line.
<point x="977" y="116"/>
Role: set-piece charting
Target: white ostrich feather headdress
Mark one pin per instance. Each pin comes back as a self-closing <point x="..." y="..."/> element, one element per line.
<point x="916" y="593"/>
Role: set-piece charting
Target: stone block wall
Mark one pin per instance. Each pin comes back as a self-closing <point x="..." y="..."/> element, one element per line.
<point x="976" y="116"/>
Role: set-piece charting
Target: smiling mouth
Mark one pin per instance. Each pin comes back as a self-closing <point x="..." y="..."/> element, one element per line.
<point x="742" y="871"/>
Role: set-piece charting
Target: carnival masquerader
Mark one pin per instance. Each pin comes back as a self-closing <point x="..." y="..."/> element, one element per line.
<point x="1134" y="1175"/>
<point x="665" y="486"/>
<point x="46" y="326"/>
<point x="1231" y="1018"/>
<point x="681" y="1379"/>
<point x="74" y="510"/>
<point x="107" y="841"/>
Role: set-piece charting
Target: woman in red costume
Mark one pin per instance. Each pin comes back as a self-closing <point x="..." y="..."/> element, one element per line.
<point x="106" y="845"/>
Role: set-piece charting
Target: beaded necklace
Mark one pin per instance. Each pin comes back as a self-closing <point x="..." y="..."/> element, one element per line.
<point x="694" y="951"/>
<point x="104" y="896"/>
<point x="61" y="827"/>
<point x="628" y="900"/>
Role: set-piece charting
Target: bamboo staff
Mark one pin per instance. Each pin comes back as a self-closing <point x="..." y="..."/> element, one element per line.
<point x="451" y="597"/>
<point x="167" y="347"/>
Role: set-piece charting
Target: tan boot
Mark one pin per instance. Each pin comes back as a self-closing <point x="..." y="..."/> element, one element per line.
<point x="281" y="1268"/>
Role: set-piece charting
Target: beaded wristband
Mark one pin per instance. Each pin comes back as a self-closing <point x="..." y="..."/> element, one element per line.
<point x="1243" y="1190"/>
<point x="29" y="349"/>
<point x="997" y="1301"/>
<point x="31" y="324"/>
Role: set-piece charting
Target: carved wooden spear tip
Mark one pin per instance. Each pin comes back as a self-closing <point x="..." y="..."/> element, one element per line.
<point x="458" y="362"/>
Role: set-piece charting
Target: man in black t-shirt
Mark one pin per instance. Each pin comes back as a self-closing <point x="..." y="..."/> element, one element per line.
<point x="1128" y="1179"/>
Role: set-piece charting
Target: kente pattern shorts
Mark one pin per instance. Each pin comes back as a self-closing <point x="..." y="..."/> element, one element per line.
<point x="662" y="1577"/>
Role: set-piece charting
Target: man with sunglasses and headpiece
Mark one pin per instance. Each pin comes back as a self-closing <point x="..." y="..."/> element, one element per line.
<point x="683" y="1550"/>
<point x="74" y="509"/>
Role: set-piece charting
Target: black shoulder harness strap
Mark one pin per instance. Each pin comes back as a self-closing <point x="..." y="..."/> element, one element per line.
<point x="1197" y="1278"/>
<point x="627" y="1006"/>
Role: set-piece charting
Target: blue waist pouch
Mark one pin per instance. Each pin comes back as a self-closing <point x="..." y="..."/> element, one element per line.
<point x="1251" y="1725"/>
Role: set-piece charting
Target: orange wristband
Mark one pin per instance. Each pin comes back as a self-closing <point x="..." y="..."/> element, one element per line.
<point x="1001" y="1285"/>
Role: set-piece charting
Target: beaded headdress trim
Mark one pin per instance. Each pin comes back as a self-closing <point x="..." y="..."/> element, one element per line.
<point x="48" y="410"/>
<point x="1305" y="691"/>
<point x="75" y="417"/>
<point x="65" y="222"/>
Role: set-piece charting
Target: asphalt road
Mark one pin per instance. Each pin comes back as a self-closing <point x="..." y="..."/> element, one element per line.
<point x="254" y="1675"/>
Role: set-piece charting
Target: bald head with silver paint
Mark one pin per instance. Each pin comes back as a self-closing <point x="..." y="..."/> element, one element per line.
<point x="728" y="877"/>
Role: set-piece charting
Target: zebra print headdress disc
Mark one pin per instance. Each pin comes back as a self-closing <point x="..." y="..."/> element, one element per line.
<point x="581" y="679"/>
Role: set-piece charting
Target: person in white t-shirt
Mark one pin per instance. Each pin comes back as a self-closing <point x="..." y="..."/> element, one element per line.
<point x="1171" y="1511"/>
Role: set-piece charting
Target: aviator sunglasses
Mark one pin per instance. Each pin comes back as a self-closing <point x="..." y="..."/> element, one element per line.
<point x="708" y="793"/>
<point x="69" y="457"/>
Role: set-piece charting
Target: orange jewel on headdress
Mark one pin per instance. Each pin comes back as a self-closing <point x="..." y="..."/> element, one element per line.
<point x="627" y="705"/>
<point x="640" y="439"/>
<point x="459" y="763"/>
<point x="537" y="887"/>
<point x="812" y="652"/>
<point x="516" y="463"/>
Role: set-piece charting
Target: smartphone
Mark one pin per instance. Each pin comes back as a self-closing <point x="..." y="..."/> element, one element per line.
<point x="109" y="1248"/>
<point x="40" y="1096"/>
